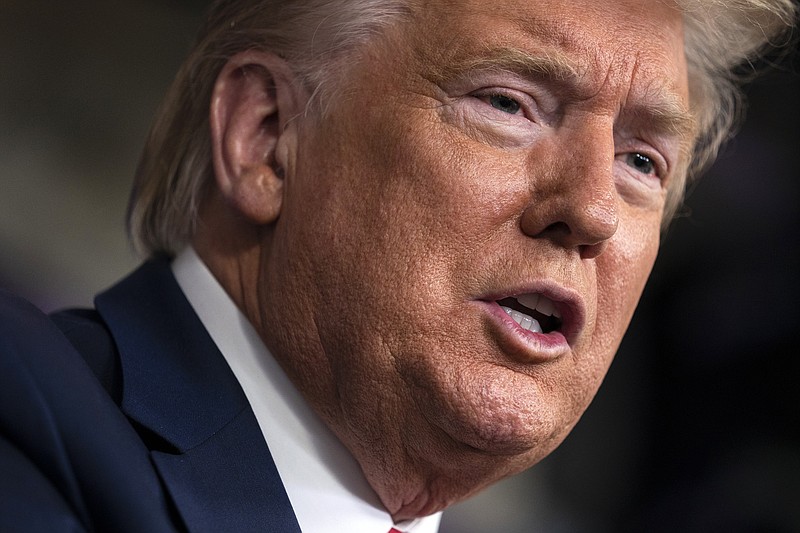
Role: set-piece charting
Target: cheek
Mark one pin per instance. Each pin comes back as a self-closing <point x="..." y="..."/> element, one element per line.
<point x="371" y="221"/>
<point x="622" y="272"/>
<point x="415" y="208"/>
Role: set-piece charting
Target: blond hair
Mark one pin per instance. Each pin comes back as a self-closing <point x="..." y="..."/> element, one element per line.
<point x="314" y="36"/>
<point x="721" y="35"/>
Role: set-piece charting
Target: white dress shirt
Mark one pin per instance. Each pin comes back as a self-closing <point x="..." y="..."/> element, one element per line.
<point x="324" y="482"/>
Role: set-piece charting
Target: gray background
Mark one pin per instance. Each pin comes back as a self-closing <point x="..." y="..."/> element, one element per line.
<point x="698" y="425"/>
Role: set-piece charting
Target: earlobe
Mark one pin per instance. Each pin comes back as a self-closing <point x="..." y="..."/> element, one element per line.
<point x="254" y="98"/>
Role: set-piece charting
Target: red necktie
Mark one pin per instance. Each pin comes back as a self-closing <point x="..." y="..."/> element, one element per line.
<point x="393" y="530"/>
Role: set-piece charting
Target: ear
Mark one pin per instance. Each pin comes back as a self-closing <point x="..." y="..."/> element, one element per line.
<point x="253" y="146"/>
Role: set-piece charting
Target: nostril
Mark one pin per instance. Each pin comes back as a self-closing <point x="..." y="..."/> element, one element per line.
<point x="579" y="221"/>
<point x="557" y="228"/>
<point x="590" y="251"/>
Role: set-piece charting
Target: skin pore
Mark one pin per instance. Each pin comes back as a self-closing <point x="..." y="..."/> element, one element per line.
<point x="471" y="154"/>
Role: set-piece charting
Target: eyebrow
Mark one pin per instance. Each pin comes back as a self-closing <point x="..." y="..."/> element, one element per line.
<point x="662" y="112"/>
<point x="554" y="66"/>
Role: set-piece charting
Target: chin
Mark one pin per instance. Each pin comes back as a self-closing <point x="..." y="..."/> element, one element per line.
<point x="529" y="438"/>
<point x="519" y="427"/>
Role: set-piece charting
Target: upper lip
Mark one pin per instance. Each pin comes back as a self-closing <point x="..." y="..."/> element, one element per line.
<point x="568" y="302"/>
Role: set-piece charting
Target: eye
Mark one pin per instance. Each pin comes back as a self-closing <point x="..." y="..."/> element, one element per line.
<point x="641" y="163"/>
<point x="504" y="103"/>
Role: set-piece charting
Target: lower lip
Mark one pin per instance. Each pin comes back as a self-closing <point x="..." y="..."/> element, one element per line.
<point x="520" y="344"/>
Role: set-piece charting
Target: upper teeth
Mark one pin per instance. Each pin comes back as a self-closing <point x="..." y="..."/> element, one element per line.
<point x="539" y="303"/>
<point x="535" y="302"/>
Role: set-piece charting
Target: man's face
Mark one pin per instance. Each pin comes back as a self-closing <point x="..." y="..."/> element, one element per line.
<point x="481" y="155"/>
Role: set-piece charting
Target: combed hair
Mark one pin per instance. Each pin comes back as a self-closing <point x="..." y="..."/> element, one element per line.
<point x="315" y="36"/>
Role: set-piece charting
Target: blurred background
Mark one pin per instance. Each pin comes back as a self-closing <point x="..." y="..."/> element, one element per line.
<point x="697" y="427"/>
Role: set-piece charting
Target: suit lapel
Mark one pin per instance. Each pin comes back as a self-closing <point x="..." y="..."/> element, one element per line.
<point x="178" y="388"/>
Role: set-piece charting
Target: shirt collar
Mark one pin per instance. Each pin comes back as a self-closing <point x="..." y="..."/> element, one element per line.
<point x="323" y="481"/>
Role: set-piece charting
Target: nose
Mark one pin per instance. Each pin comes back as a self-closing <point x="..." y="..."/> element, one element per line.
<point x="574" y="201"/>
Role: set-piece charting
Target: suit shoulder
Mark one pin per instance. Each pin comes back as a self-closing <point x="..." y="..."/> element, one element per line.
<point x="86" y="331"/>
<point x="63" y="441"/>
<point x="28" y="338"/>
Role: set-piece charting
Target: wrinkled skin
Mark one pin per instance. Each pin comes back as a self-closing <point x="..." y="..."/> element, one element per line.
<point x="442" y="179"/>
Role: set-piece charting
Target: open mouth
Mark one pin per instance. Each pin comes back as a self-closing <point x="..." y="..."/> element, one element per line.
<point x="533" y="312"/>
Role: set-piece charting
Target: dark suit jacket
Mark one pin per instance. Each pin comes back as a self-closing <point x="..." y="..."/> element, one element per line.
<point x="128" y="418"/>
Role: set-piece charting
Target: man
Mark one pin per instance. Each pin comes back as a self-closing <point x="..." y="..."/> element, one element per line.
<point x="394" y="247"/>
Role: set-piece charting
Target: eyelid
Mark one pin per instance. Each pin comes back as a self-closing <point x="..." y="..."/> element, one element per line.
<point x="662" y="167"/>
<point x="661" y="170"/>
<point x="527" y="103"/>
<point x="657" y="152"/>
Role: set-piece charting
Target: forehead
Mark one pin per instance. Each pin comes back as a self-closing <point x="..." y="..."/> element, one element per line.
<point x="630" y="48"/>
<point x="576" y="26"/>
